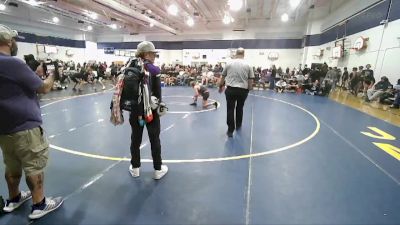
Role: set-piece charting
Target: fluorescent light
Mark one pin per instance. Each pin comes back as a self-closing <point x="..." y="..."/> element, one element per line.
<point x="294" y="3"/>
<point x="89" y="27"/>
<point x="55" y="19"/>
<point x="190" y="22"/>
<point x="235" y="5"/>
<point x="285" y="17"/>
<point x="113" y="26"/>
<point x="151" y="24"/>
<point x="2" y="7"/>
<point x="33" y="2"/>
<point x="93" y="15"/>
<point x="173" y="10"/>
<point x="227" y="19"/>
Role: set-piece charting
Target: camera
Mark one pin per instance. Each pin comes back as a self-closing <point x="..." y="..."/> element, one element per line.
<point x="50" y="66"/>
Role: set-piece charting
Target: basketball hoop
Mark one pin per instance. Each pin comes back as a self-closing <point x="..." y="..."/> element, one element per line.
<point x="360" y="44"/>
<point x="273" y="56"/>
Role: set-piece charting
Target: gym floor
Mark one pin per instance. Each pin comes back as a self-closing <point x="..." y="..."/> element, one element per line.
<point x="298" y="159"/>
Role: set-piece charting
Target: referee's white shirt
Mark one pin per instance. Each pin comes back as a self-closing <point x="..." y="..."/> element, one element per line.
<point x="237" y="74"/>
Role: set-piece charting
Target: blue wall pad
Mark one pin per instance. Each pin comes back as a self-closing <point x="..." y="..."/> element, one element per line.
<point x="212" y="44"/>
<point x="364" y="21"/>
<point x="33" y="38"/>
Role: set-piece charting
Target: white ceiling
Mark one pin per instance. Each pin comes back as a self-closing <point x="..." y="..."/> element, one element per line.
<point x="132" y="16"/>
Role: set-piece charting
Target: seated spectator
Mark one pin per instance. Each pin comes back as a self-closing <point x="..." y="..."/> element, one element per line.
<point x="292" y="86"/>
<point x="280" y="85"/>
<point x="378" y="89"/>
<point x="186" y="77"/>
<point x="396" y="89"/>
<point x="326" y="88"/>
<point x="307" y="84"/>
<point x="315" y="88"/>
<point x="300" y="78"/>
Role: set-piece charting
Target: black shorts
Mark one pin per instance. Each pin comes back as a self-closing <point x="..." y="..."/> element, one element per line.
<point x="205" y="96"/>
<point x="76" y="77"/>
<point x="100" y="75"/>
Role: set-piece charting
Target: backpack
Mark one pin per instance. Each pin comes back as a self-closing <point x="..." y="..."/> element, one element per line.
<point x="131" y="95"/>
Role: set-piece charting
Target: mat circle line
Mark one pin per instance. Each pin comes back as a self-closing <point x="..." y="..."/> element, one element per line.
<point x="201" y="160"/>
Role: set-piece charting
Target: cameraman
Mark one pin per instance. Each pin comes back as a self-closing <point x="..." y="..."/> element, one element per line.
<point x="22" y="139"/>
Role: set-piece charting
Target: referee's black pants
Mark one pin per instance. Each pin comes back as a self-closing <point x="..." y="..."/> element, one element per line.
<point x="235" y="98"/>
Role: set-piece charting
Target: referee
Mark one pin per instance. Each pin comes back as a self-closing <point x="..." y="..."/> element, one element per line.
<point x="238" y="77"/>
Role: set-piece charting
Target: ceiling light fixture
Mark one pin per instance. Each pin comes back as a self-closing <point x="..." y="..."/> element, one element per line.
<point x="93" y="15"/>
<point x="173" y="10"/>
<point x="2" y="7"/>
<point x="114" y="26"/>
<point x="227" y="19"/>
<point x="151" y="24"/>
<point x="89" y="27"/>
<point x="294" y="3"/>
<point x="235" y="5"/>
<point x="55" y="19"/>
<point x="149" y="11"/>
<point x="33" y="2"/>
<point x="190" y="22"/>
<point x="285" y="17"/>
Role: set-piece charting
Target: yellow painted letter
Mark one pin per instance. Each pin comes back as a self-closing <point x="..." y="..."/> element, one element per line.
<point x="382" y="134"/>
<point x="390" y="149"/>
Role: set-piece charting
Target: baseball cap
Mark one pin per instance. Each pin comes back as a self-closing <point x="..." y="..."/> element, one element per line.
<point x="145" y="46"/>
<point x="6" y="34"/>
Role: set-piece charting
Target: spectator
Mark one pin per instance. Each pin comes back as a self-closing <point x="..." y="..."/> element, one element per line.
<point x="396" y="102"/>
<point x="345" y="78"/>
<point x="18" y="88"/>
<point x="147" y="52"/>
<point x="378" y="89"/>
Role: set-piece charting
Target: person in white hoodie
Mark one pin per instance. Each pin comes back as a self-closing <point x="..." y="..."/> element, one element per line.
<point x="280" y="85"/>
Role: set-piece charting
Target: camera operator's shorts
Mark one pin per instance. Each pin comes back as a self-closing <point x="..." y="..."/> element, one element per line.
<point x="26" y="150"/>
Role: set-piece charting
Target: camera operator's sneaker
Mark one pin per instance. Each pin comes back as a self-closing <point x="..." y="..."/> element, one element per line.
<point x="11" y="205"/>
<point x="135" y="172"/>
<point x="158" y="174"/>
<point x="48" y="206"/>
<point x="193" y="104"/>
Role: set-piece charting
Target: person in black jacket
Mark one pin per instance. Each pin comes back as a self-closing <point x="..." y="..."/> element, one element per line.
<point x="396" y="102"/>
<point x="147" y="52"/>
<point x="345" y="78"/>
